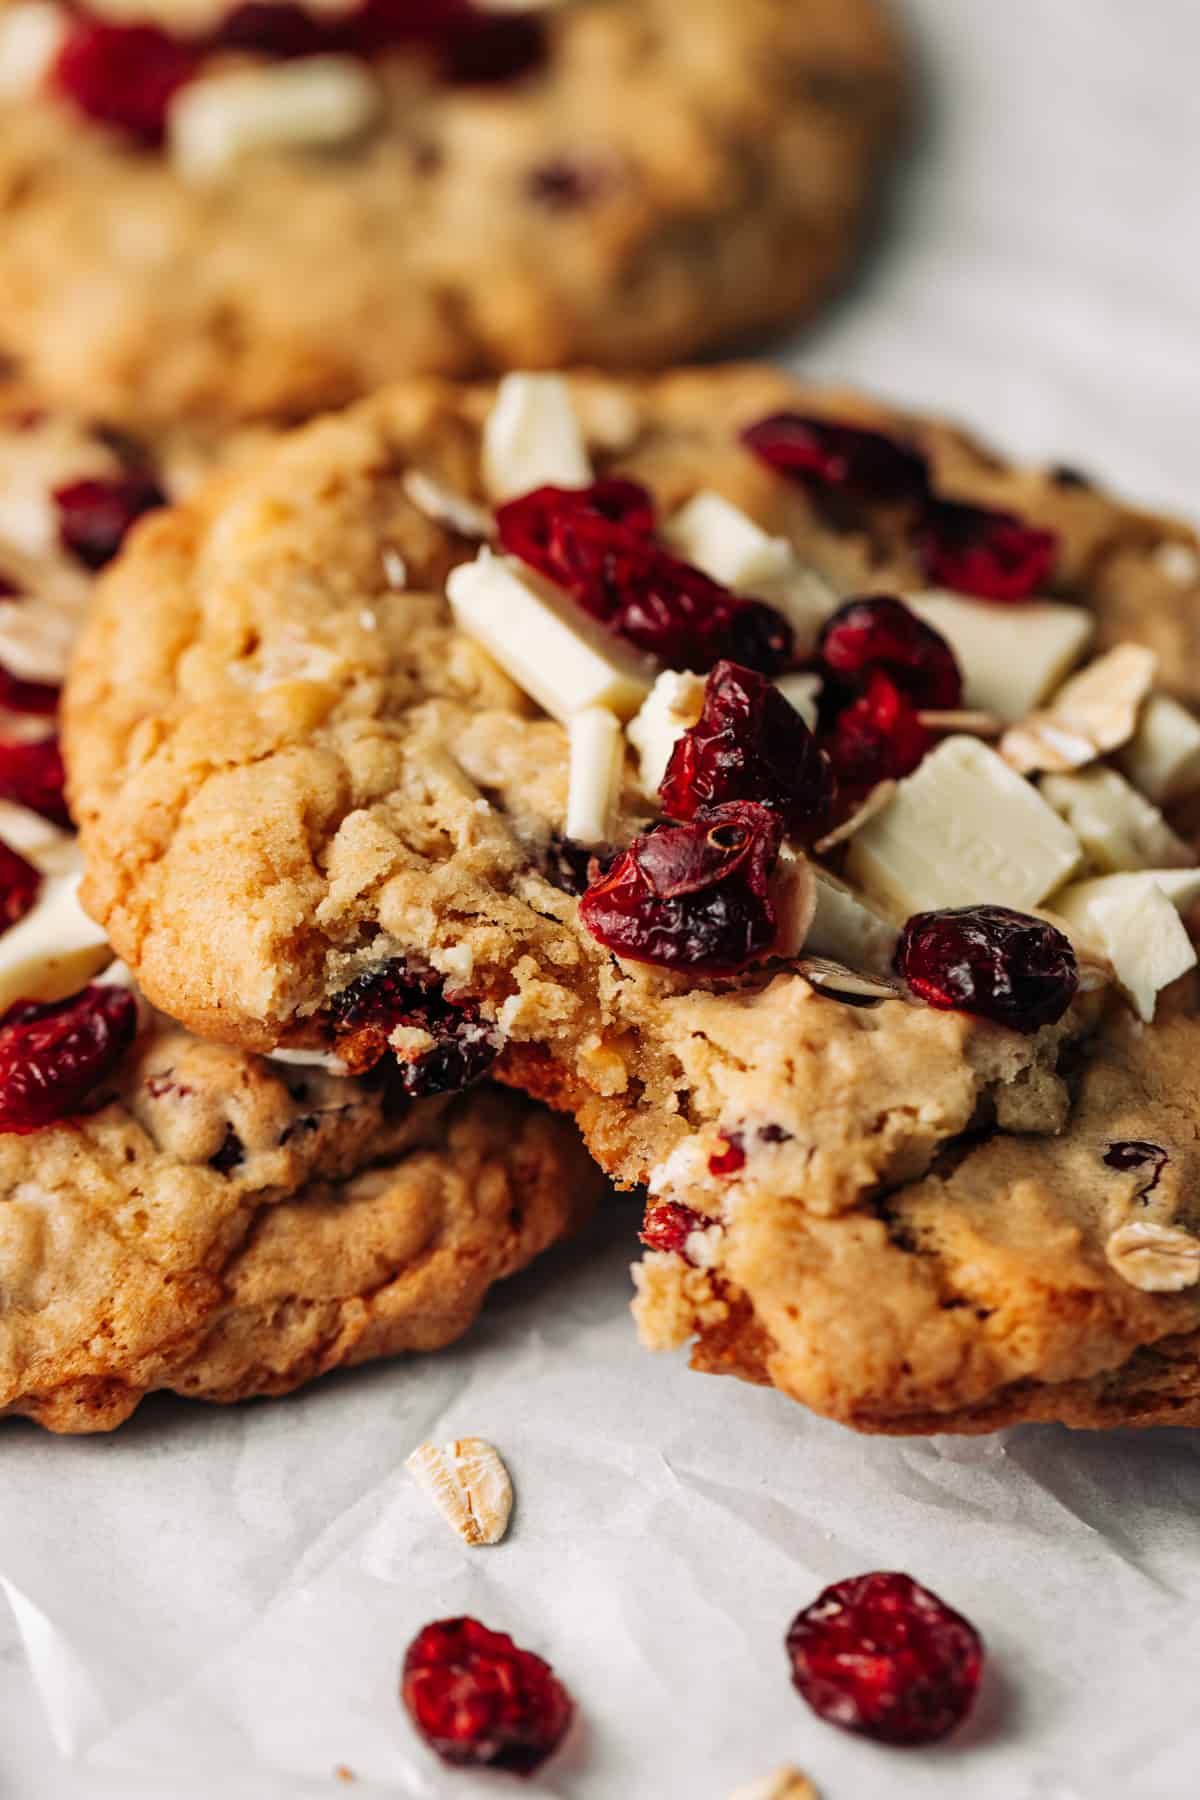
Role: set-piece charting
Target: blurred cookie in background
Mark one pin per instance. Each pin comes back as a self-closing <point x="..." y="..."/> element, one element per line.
<point x="259" y="210"/>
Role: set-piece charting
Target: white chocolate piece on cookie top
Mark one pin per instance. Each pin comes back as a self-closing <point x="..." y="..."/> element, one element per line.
<point x="963" y="830"/>
<point x="55" y="949"/>
<point x="1163" y="756"/>
<point x="316" y="102"/>
<point x="1011" y="658"/>
<point x="672" y="706"/>
<point x="1118" y="827"/>
<point x="560" y="657"/>
<point x="727" y="545"/>
<point x="1133" y="920"/>
<point x="31" y="35"/>
<point x="716" y="536"/>
<point x="597" y="749"/>
<point x="532" y="438"/>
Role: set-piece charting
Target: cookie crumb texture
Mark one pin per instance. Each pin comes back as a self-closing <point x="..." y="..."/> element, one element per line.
<point x="912" y="1234"/>
<point x="675" y="172"/>
<point x="223" y="1228"/>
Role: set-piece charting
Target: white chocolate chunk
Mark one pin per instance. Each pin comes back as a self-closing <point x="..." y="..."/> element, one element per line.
<point x="312" y="103"/>
<point x="597" y="768"/>
<point x="469" y="1484"/>
<point x="31" y="35"/>
<point x="563" y="659"/>
<point x="716" y="536"/>
<point x="960" y="831"/>
<point x="54" y="950"/>
<point x="672" y="706"/>
<point x="1118" y="827"/>
<point x="803" y="692"/>
<point x="532" y="438"/>
<point x="1131" y="920"/>
<point x="37" y="637"/>
<point x="1163" y="756"/>
<point x="1011" y="657"/>
<point x="847" y="929"/>
<point x="726" y="544"/>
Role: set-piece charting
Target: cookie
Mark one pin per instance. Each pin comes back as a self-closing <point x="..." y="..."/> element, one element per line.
<point x="271" y="211"/>
<point x="222" y="1226"/>
<point x="201" y="1219"/>
<point x="918" y="1166"/>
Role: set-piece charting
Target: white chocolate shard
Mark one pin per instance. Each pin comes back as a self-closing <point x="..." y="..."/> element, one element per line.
<point x="469" y="1484"/>
<point x="532" y="438"/>
<point x="963" y="830"/>
<point x="716" y="536"/>
<point x="1011" y="657"/>
<point x="1118" y="827"/>
<point x="597" y="766"/>
<point x="672" y="706"/>
<point x="564" y="660"/>
<point x="1134" y="921"/>
<point x="54" y="950"/>
<point x="1163" y="756"/>
<point x="316" y="102"/>
<point x="31" y="35"/>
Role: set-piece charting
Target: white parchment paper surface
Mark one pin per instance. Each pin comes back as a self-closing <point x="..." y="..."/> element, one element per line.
<point x="217" y="1602"/>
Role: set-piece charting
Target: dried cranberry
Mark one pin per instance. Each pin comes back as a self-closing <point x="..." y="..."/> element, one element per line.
<point x="694" y="896"/>
<point x="52" y="1057"/>
<point x="1133" y="1153"/>
<point x="231" y="1155"/>
<point x="38" y="698"/>
<point x="124" y="75"/>
<point x="366" y="1013"/>
<point x="20" y="885"/>
<point x="988" y="960"/>
<point x="566" y="185"/>
<point x="94" y="516"/>
<point x="884" y="1657"/>
<point x="993" y="555"/>
<point x="668" y="1226"/>
<point x="731" y="1160"/>
<point x="569" y="865"/>
<point x="479" y="1700"/>
<point x="276" y="28"/>
<point x="867" y="465"/>
<point x="749" y="744"/>
<point x="878" y="737"/>
<point x="881" y="633"/>
<point x="32" y="775"/>
<point x="9" y="589"/>
<point x="595" y="542"/>
<point x="484" y="48"/>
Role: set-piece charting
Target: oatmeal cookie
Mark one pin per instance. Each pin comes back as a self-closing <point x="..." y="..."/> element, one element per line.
<point x="246" y="211"/>
<point x="869" y="1009"/>
<point x="222" y="1227"/>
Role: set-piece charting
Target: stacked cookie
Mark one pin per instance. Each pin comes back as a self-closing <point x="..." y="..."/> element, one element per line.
<point x="215" y="215"/>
